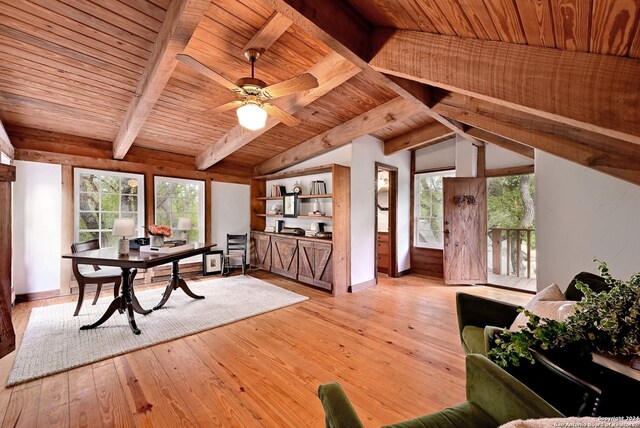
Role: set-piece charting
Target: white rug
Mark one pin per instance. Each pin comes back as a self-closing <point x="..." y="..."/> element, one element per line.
<point x="53" y="342"/>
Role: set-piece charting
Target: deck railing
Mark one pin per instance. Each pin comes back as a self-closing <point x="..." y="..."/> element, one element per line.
<point x="513" y="239"/>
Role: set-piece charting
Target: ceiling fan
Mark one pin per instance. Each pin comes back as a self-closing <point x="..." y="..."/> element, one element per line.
<point x="253" y="105"/>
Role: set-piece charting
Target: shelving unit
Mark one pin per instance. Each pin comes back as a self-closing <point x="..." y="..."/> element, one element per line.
<point x="296" y="254"/>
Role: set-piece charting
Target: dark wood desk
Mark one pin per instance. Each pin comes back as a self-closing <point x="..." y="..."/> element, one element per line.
<point x="137" y="260"/>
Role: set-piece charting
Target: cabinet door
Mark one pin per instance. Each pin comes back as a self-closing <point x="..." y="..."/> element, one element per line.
<point x="284" y="256"/>
<point x="323" y="265"/>
<point x="306" y="267"/>
<point x="261" y="251"/>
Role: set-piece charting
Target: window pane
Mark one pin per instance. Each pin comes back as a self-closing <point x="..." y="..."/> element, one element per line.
<point x="110" y="184"/>
<point x="429" y="209"/>
<point x="129" y="203"/>
<point x="130" y="186"/>
<point x="89" y="220"/>
<point x="108" y="240"/>
<point x="107" y="220"/>
<point x="89" y="201"/>
<point x="88" y="236"/>
<point x="177" y="198"/>
<point x="89" y="183"/>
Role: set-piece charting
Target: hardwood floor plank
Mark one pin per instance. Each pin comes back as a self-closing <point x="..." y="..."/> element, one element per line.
<point x="112" y="403"/>
<point x="54" y="399"/>
<point x="83" y="400"/>
<point x="23" y="408"/>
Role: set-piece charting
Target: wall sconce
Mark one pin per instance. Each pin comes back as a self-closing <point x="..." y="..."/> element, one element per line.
<point x="462" y="199"/>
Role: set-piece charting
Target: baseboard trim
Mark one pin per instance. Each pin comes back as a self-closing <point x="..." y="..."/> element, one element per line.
<point x="362" y="286"/>
<point x="404" y="272"/>
<point x="38" y="295"/>
<point x="506" y="287"/>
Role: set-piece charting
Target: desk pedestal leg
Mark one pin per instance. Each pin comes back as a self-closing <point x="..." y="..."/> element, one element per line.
<point x="123" y="302"/>
<point x="174" y="283"/>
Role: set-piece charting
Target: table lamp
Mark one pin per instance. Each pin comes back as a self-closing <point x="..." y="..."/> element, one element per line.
<point x="124" y="227"/>
<point x="184" y="224"/>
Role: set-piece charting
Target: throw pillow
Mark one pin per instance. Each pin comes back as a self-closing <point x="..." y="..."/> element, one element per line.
<point x="548" y="303"/>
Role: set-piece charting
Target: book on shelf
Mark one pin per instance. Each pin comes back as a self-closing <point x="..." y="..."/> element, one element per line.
<point x="277" y="190"/>
<point x="318" y="187"/>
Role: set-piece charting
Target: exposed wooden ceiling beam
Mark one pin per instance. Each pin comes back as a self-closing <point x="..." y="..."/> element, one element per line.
<point x="371" y="121"/>
<point x="180" y="22"/>
<point x="512" y="170"/>
<point x="502" y="142"/>
<point x="5" y="142"/>
<point x="337" y="24"/>
<point x="595" y="92"/>
<point x="269" y="33"/>
<point x="428" y="135"/>
<point x="609" y="155"/>
<point x="331" y="72"/>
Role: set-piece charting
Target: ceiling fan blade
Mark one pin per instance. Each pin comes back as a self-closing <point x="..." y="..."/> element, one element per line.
<point x="206" y="71"/>
<point x="297" y="84"/>
<point x="281" y="115"/>
<point x="225" y="107"/>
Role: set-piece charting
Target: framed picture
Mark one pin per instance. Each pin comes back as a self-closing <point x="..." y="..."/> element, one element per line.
<point x="290" y="205"/>
<point x="212" y="262"/>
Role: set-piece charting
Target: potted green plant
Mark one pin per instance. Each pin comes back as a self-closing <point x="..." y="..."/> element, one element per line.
<point x="606" y="322"/>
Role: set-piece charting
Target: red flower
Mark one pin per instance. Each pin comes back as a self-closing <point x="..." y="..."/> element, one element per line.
<point x="155" y="229"/>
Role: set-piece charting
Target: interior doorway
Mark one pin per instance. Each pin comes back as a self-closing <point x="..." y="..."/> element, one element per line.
<point x="386" y="205"/>
<point x="511" y="247"/>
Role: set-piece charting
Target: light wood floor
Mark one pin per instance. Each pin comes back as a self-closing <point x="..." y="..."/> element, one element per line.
<point x="394" y="348"/>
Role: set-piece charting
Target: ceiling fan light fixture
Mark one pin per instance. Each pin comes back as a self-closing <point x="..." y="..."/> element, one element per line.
<point x="252" y="116"/>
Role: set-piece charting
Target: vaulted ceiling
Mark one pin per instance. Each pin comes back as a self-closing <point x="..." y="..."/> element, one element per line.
<point x="409" y="72"/>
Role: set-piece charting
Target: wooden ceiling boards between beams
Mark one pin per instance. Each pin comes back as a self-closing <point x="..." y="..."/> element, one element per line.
<point x="344" y="30"/>
<point x="502" y="142"/>
<point x="611" y="156"/>
<point x="181" y="20"/>
<point x="428" y="135"/>
<point x="379" y="117"/>
<point x="332" y="71"/>
<point x="595" y="92"/>
<point x="5" y="142"/>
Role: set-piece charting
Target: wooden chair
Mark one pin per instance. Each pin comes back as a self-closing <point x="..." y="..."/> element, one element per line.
<point x="236" y="252"/>
<point x="93" y="274"/>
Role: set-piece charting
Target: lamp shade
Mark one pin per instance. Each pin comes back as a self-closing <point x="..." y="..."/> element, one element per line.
<point x="251" y="116"/>
<point x="184" y="223"/>
<point x="124" y="227"/>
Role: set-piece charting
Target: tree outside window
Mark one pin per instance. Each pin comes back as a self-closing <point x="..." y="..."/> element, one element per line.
<point x="428" y="209"/>
<point x="100" y="198"/>
<point x="175" y="198"/>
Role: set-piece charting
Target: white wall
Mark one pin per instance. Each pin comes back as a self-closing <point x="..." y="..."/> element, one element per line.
<point x="37" y="219"/>
<point x="582" y="214"/>
<point x="366" y="152"/>
<point x="341" y="156"/>
<point x="441" y="155"/>
<point x="229" y="211"/>
<point x="466" y="158"/>
<point x="497" y="157"/>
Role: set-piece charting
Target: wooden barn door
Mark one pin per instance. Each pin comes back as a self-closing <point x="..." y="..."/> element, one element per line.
<point x="7" y="335"/>
<point x="465" y="230"/>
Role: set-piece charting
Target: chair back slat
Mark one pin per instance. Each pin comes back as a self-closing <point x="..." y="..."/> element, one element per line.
<point x="237" y="243"/>
<point x="93" y="244"/>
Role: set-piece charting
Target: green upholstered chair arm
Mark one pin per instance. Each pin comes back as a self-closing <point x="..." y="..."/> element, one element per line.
<point x="339" y="412"/>
<point x="500" y="395"/>
<point x="480" y="311"/>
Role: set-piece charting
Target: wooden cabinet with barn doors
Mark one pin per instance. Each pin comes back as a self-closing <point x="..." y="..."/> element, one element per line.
<point x="327" y="261"/>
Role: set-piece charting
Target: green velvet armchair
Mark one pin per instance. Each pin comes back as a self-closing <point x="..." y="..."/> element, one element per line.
<point x="479" y="318"/>
<point x="494" y="397"/>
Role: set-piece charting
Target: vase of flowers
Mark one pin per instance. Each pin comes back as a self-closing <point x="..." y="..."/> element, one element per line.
<point x="158" y="233"/>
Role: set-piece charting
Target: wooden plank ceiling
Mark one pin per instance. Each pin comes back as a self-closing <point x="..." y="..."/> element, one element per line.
<point x="74" y="66"/>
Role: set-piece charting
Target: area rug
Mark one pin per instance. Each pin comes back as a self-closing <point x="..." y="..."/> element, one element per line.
<point x="53" y="343"/>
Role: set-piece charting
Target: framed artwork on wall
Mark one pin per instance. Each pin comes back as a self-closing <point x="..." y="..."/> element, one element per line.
<point x="290" y="205"/>
<point x="212" y="262"/>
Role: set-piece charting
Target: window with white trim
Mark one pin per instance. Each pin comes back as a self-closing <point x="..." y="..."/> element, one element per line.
<point x="428" y="204"/>
<point x="178" y="197"/>
<point x="102" y="196"/>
